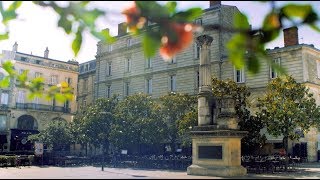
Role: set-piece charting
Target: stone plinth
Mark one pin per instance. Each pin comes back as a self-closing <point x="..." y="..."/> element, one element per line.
<point x="216" y="151"/>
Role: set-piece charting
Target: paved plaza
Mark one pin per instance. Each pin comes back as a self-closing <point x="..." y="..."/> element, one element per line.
<point x="305" y="171"/>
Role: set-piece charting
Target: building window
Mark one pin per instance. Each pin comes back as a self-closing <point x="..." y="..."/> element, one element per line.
<point x="149" y="86"/>
<point x="273" y="73"/>
<point x="54" y="80"/>
<point x="128" y="65"/>
<point x="85" y="85"/>
<point x="35" y="102"/>
<point x="3" y="122"/>
<point x="23" y="59"/>
<point x="239" y="75"/>
<point x="173" y="83"/>
<point x="4" y="98"/>
<point x="109" y="68"/>
<point x="126" y="89"/>
<point x="109" y="48"/>
<point x="37" y="74"/>
<point x="198" y="21"/>
<point x="20" y="98"/>
<point x="1" y="76"/>
<point x="149" y="63"/>
<point x="196" y="51"/>
<point x="68" y="80"/>
<point x="129" y="42"/>
<point x="21" y="71"/>
<point x="81" y="69"/>
<point x="198" y="79"/>
<point x="86" y="67"/>
<point x="173" y="60"/>
<point x="108" y="91"/>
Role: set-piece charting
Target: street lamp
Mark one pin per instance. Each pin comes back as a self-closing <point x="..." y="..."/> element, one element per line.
<point x="102" y="164"/>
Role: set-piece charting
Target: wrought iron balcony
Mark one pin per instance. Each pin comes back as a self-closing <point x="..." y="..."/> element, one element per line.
<point x="42" y="107"/>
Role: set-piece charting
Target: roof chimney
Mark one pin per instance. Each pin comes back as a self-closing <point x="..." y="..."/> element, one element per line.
<point x="215" y="3"/>
<point x="46" y="53"/>
<point x="290" y="36"/>
<point x="15" y="47"/>
<point x="122" y="29"/>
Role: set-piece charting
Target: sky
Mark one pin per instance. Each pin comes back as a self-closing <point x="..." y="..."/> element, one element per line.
<point x="36" y="27"/>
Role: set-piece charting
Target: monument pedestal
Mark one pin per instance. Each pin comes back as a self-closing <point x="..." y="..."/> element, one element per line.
<point x="216" y="152"/>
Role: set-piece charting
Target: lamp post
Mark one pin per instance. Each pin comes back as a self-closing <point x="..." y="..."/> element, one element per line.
<point x="102" y="164"/>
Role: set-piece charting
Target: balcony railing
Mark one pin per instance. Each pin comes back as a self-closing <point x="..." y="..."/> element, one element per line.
<point x="4" y="107"/>
<point x="42" y="107"/>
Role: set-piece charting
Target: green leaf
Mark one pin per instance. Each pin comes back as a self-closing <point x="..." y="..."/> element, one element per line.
<point x="14" y="6"/>
<point x="152" y="9"/>
<point x="311" y="18"/>
<point x="104" y="36"/>
<point x="296" y="10"/>
<point x="314" y="27"/>
<point x="5" y="82"/>
<point x="65" y="24"/>
<point x="59" y="97"/>
<point x="84" y="3"/>
<point x="189" y="15"/>
<point x="171" y="6"/>
<point x="150" y="45"/>
<point x="76" y="44"/>
<point x="237" y="50"/>
<point x="4" y="36"/>
<point x="271" y="21"/>
<point x="90" y="17"/>
<point x="241" y="21"/>
<point x="253" y="64"/>
<point x="8" y="66"/>
<point x="23" y="76"/>
<point x="7" y="16"/>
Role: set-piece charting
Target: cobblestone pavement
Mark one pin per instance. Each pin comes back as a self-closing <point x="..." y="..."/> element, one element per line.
<point x="305" y="171"/>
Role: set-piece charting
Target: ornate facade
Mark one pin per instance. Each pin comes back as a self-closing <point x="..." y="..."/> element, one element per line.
<point x="21" y="116"/>
<point x="86" y="80"/>
<point x="121" y="68"/>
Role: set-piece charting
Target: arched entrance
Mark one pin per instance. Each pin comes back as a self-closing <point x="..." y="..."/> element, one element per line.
<point x="27" y="122"/>
<point x="26" y="126"/>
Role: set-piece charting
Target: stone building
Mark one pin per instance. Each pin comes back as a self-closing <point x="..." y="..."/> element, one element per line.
<point x="86" y="80"/>
<point x="121" y="68"/>
<point x="21" y="116"/>
<point x="302" y="62"/>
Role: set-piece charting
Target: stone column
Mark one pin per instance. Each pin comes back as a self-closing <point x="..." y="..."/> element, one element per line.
<point x="205" y="97"/>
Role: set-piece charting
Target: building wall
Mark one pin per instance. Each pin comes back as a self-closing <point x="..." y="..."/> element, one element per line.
<point x="42" y="110"/>
<point x="299" y="60"/>
<point x="185" y="67"/>
<point x="85" y="95"/>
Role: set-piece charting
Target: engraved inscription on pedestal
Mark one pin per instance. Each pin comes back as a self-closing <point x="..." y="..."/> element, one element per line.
<point x="226" y="106"/>
<point x="210" y="152"/>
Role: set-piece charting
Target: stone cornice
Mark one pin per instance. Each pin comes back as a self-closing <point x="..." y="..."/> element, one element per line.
<point x="219" y="133"/>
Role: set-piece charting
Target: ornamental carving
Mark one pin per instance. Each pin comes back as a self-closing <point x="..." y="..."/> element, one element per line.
<point x="204" y="40"/>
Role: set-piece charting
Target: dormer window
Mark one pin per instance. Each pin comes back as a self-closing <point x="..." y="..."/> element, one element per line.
<point x="198" y="21"/>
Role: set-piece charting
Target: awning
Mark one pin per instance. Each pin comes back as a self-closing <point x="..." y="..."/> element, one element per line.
<point x="270" y="138"/>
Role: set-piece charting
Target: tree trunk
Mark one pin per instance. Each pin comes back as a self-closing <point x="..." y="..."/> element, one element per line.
<point x="285" y="145"/>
